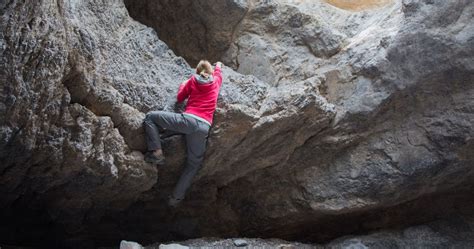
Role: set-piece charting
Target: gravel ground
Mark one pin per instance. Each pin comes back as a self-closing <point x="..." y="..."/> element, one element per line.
<point x="229" y="243"/>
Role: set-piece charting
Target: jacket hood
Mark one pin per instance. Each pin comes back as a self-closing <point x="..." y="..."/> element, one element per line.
<point x="201" y="80"/>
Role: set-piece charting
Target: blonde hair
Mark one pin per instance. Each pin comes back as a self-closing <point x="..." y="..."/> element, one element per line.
<point x="204" y="68"/>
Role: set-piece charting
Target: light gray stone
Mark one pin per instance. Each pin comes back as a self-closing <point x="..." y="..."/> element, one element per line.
<point x="172" y="246"/>
<point x="130" y="245"/>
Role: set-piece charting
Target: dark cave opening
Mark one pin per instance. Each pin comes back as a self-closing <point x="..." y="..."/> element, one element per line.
<point x="37" y="229"/>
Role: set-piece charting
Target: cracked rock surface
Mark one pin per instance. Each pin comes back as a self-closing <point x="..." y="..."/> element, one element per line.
<point x="332" y="120"/>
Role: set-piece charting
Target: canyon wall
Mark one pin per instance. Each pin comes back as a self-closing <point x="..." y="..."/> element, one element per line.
<point x="332" y="119"/>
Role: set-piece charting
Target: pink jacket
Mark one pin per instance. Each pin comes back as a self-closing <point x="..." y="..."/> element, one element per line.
<point x="202" y="94"/>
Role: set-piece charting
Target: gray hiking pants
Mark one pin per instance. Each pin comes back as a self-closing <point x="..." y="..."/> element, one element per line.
<point x="196" y="132"/>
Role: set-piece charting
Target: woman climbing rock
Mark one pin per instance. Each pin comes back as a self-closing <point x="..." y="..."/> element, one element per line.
<point x="201" y="90"/>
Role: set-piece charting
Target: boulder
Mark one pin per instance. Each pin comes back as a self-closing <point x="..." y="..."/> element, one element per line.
<point x="332" y="120"/>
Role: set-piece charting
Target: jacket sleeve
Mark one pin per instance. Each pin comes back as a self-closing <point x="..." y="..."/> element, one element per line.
<point x="184" y="90"/>
<point x="218" y="75"/>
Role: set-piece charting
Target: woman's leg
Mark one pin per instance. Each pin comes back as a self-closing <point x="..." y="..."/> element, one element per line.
<point x="196" y="147"/>
<point x="167" y="120"/>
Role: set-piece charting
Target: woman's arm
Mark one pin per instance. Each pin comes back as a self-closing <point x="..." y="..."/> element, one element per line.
<point x="184" y="90"/>
<point x="218" y="73"/>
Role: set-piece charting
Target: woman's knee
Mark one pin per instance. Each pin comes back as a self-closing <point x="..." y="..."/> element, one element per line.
<point x="195" y="159"/>
<point x="152" y="115"/>
<point x="194" y="165"/>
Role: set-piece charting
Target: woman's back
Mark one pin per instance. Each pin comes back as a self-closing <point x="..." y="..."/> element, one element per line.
<point x="202" y="94"/>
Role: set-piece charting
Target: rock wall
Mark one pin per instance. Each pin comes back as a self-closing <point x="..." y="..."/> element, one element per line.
<point x="76" y="80"/>
<point x="330" y="122"/>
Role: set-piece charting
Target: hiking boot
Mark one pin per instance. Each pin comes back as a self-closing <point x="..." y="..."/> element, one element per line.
<point x="150" y="157"/>
<point x="173" y="202"/>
